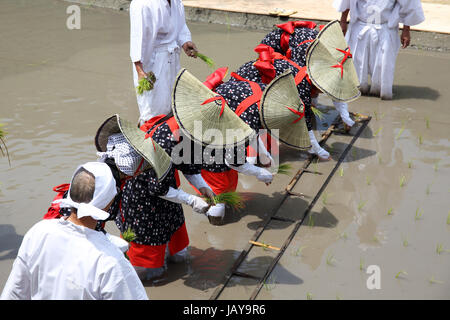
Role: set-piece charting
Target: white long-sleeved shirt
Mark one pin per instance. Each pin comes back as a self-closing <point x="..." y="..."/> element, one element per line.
<point x="59" y="260"/>
<point x="154" y="23"/>
<point x="392" y="12"/>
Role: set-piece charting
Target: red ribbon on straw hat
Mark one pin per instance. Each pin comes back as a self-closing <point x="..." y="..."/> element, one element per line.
<point x="215" y="99"/>
<point x="215" y="79"/>
<point x="340" y="65"/>
<point x="299" y="113"/>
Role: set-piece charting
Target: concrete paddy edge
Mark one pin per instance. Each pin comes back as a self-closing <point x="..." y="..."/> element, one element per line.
<point x="421" y="40"/>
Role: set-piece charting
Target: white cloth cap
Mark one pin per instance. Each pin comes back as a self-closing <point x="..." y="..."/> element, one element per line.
<point x="126" y="158"/>
<point x="104" y="193"/>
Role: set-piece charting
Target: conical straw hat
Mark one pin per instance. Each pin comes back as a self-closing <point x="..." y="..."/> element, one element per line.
<point x="282" y="109"/>
<point x="205" y="121"/>
<point x="330" y="64"/>
<point x="152" y="153"/>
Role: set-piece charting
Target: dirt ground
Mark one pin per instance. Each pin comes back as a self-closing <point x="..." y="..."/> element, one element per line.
<point x="387" y="206"/>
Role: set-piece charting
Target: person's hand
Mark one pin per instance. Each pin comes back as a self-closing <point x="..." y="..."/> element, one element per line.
<point x="142" y="75"/>
<point x="190" y="49"/>
<point x="405" y="38"/>
<point x="207" y="193"/>
<point x="264" y="176"/>
<point x="198" y="204"/>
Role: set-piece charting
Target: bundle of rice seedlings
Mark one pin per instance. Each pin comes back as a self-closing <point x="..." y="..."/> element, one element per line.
<point x="146" y="84"/>
<point x="317" y="112"/>
<point x="129" y="235"/>
<point x="284" y="168"/>
<point x="232" y="198"/>
<point x="206" y="59"/>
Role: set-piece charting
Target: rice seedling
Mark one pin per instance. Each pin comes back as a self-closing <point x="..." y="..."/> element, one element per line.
<point x="330" y="259"/>
<point x="285" y="169"/>
<point x="375" y="239"/>
<point x="389" y="212"/>
<point x="400" y="273"/>
<point x="3" y="133"/>
<point x="380" y="160"/>
<point x="432" y="280"/>
<point x="341" y="171"/>
<point x="361" y="264"/>
<point x="420" y="139"/>
<point x="440" y="248"/>
<point x="419" y="213"/>
<point x="354" y="154"/>
<point x="146" y="84"/>
<point x="402" y="181"/>
<point x="317" y="112"/>
<point x="309" y="296"/>
<point x="311" y="221"/>
<point x="232" y="198"/>
<point x="270" y="283"/>
<point x="378" y="131"/>
<point x="361" y="205"/>
<point x="405" y="242"/>
<point x="325" y="197"/>
<point x="338" y="297"/>
<point x="299" y="251"/>
<point x="448" y="218"/>
<point x="129" y="235"/>
<point x="400" y="131"/>
<point x="343" y="235"/>
<point x="368" y="180"/>
<point x="206" y="59"/>
<point x="410" y="164"/>
<point x="436" y="166"/>
<point x="427" y="122"/>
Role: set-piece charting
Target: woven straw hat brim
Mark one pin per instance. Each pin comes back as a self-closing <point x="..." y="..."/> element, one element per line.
<point x="280" y="95"/>
<point x="322" y="55"/>
<point x="201" y="122"/>
<point x="152" y="153"/>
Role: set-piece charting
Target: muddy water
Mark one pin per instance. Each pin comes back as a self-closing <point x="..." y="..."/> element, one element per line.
<point x="58" y="85"/>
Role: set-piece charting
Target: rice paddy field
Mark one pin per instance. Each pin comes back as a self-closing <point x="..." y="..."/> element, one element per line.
<point x="379" y="230"/>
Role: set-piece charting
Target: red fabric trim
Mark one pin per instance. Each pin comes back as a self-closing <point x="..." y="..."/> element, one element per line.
<point x="254" y="98"/>
<point x="53" y="210"/>
<point x="215" y="79"/>
<point x="221" y="182"/>
<point x="147" y="256"/>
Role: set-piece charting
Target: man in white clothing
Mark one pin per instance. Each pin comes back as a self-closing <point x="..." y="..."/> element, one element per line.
<point x="66" y="259"/>
<point x="373" y="38"/>
<point x="157" y="32"/>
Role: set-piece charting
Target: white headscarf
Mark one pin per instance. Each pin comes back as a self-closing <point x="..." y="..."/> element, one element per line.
<point x="104" y="193"/>
<point x="126" y="158"/>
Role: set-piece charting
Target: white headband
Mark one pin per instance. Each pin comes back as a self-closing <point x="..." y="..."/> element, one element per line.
<point x="104" y="193"/>
<point x="126" y="158"/>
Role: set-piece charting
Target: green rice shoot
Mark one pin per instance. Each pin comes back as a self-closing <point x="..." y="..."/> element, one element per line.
<point x="317" y="112"/>
<point x="284" y="168"/>
<point x="129" y="235"/>
<point x="232" y="198"/>
<point x="206" y="59"/>
<point x="448" y="218"/>
<point x="4" y="148"/>
<point x="146" y="84"/>
<point x="401" y="272"/>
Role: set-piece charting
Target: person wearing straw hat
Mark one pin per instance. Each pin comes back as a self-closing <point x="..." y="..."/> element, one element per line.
<point x="157" y="32"/>
<point x="292" y="39"/>
<point x="204" y="118"/>
<point x="149" y="203"/>
<point x="373" y="37"/>
<point x="66" y="258"/>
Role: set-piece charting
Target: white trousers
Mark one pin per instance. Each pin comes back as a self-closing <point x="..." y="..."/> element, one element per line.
<point x="374" y="49"/>
<point x="165" y="65"/>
